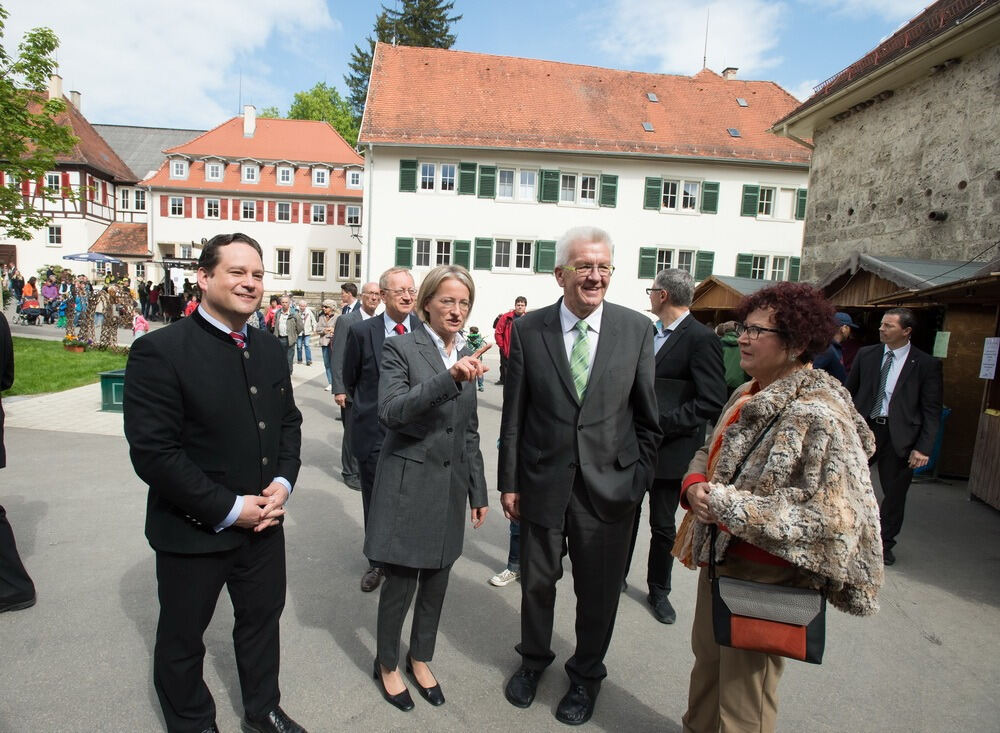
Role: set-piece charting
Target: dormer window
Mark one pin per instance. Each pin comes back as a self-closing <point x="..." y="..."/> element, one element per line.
<point x="178" y="169"/>
<point x="354" y="179"/>
<point x="249" y="173"/>
<point x="321" y="177"/>
<point x="285" y="175"/>
<point x="213" y="171"/>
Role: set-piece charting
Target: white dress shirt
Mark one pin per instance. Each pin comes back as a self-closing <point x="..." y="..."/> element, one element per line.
<point x="390" y="325"/>
<point x="448" y="359"/>
<point x="569" y="321"/>
<point x="899" y="357"/>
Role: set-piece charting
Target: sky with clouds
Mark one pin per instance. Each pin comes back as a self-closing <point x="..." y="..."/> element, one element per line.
<point x="190" y="63"/>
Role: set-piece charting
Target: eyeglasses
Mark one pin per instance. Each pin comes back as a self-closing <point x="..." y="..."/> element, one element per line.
<point x="586" y="270"/>
<point x="753" y="332"/>
<point x="401" y="291"/>
<point x="650" y="291"/>
<point x="450" y="303"/>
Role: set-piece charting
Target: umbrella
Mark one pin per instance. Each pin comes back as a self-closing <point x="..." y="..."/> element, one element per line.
<point x="93" y="257"/>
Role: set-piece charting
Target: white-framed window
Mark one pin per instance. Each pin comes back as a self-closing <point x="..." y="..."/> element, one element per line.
<point x="178" y="169"/>
<point x="176" y="206"/>
<point x="685" y="260"/>
<point x="567" y="188"/>
<point x="101" y="268"/>
<point x="353" y="215"/>
<point x="765" y="203"/>
<point x="522" y="254"/>
<point x="186" y="251"/>
<point x="442" y="252"/>
<point x="527" y="187"/>
<point x="321" y="177"/>
<point x="55" y="236"/>
<point x="124" y="197"/>
<point x="422" y="253"/>
<point x="250" y="173"/>
<point x="140" y="270"/>
<point x="664" y="259"/>
<point x="211" y="208"/>
<point x="512" y="255"/>
<point x="680" y="195"/>
<point x="501" y="254"/>
<point x="248" y="210"/>
<point x="588" y="190"/>
<point x="448" y="173"/>
<point x="689" y="196"/>
<point x="318" y="214"/>
<point x="140" y="200"/>
<point x="53" y="182"/>
<point x="282" y="262"/>
<point x="348" y="265"/>
<point x="213" y="171"/>
<point x="285" y="175"/>
<point x="505" y="184"/>
<point x="283" y="211"/>
<point x="354" y="178"/>
<point x="758" y="267"/>
<point x="779" y="268"/>
<point x="317" y="264"/>
<point x="428" y="174"/>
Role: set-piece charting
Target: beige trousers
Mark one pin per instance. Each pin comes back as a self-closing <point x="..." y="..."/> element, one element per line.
<point x="731" y="690"/>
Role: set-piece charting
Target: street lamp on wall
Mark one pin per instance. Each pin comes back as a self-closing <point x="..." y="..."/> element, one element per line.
<point x="356" y="232"/>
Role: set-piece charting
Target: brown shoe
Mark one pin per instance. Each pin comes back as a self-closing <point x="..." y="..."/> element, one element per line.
<point x="371" y="579"/>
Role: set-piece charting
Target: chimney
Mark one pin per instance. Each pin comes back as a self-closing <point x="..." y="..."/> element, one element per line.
<point x="729" y="72"/>
<point x="55" y="87"/>
<point x="249" y="120"/>
<point x="74" y="97"/>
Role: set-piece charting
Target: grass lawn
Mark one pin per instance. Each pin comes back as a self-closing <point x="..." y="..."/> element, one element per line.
<point x="45" y="366"/>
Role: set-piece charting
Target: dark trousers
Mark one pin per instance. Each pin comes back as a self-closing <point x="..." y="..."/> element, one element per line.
<point x="188" y="589"/>
<point x="894" y="475"/>
<point x="664" y="497"/>
<point x="398" y="589"/>
<point x="514" y="547"/>
<point x="15" y="583"/>
<point x="503" y="367"/>
<point x="597" y="551"/>
<point x="367" y="468"/>
<point x="349" y="468"/>
<point x="289" y="345"/>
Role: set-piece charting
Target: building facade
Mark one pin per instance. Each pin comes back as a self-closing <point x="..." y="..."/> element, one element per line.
<point x="485" y="161"/>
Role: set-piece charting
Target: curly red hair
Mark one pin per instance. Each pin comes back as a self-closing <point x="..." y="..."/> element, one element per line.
<point x="800" y="311"/>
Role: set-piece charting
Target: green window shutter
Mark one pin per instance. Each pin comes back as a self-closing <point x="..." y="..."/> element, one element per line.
<point x="609" y="191"/>
<point x="487" y="181"/>
<point x="647" y="262"/>
<point x="545" y="255"/>
<point x="408" y="175"/>
<point x="744" y="265"/>
<point x="467" y="179"/>
<point x="654" y="192"/>
<point x="484" y="254"/>
<point x="800" y="204"/>
<point x="462" y="253"/>
<point x="548" y="188"/>
<point x="709" y="198"/>
<point x="404" y="252"/>
<point x="704" y="262"/>
<point x="751" y="195"/>
<point x="793" y="269"/>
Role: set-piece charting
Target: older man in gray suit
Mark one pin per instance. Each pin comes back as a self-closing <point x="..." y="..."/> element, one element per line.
<point x="578" y="443"/>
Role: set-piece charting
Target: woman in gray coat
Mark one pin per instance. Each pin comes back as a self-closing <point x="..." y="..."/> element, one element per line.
<point x="429" y="467"/>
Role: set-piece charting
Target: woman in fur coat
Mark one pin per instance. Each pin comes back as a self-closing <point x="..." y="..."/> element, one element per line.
<point x="801" y="511"/>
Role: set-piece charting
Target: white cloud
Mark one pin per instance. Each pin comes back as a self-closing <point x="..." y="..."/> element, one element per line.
<point x="170" y="64"/>
<point x="804" y="90"/>
<point x="890" y="10"/>
<point x="741" y="33"/>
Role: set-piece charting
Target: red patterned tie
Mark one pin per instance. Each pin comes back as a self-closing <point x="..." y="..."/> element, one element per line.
<point x="239" y="339"/>
<point x="400" y="329"/>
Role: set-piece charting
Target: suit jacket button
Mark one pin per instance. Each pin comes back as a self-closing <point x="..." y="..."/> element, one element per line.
<point x="450" y="431"/>
<point x="263" y="461"/>
<point x="253" y="390"/>
<point x="261" y="425"/>
<point x="579" y="427"/>
<point x="246" y="354"/>
<point x="572" y="465"/>
<point x="447" y="463"/>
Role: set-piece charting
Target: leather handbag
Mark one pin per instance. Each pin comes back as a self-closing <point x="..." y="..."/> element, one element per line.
<point x="766" y="617"/>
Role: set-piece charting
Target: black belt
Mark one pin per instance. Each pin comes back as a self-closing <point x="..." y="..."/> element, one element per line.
<point x="879" y="420"/>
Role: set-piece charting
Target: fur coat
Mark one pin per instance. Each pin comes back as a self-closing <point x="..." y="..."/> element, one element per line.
<point x="804" y="493"/>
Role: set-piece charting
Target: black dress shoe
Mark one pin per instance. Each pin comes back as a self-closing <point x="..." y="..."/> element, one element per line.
<point x="433" y="695"/>
<point x="887" y="557"/>
<point x="17" y="605"/>
<point x="371" y="579"/>
<point x="663" y="610"/>
<point x="273" y="721"/>
<point x="576" y="707"/>
<point x="211" y="729"/>
<point x="403" y="701"/>
<point x="520" y="689"/>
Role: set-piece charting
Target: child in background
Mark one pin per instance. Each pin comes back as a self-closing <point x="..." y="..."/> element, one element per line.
<point x="140" y="326"/>
<point x="476" y="342"/>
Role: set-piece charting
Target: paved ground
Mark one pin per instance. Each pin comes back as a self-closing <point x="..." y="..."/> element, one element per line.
<point x="80" y="659"/>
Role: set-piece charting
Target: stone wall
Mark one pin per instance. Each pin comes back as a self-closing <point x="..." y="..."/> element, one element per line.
<point x="934" y="145"/>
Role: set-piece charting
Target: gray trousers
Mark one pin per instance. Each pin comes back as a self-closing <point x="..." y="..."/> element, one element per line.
<point x="398" y="588"/>
<point x="348" y="463"/>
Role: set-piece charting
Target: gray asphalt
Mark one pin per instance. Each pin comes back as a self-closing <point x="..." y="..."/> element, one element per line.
<point x="80" y="660"/>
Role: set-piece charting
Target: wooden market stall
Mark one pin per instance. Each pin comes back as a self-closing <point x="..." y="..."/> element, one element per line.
<point x="716" y="297"/>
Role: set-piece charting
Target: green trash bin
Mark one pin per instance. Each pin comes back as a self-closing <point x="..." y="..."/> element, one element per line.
<point x="112" y="390"/>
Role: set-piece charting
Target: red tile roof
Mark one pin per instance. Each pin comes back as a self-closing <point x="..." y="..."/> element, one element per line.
<point x="934" y="20"/>
<point x="424" y="96"/>
<point x="292" y="140"/>
<point x="267" y="184"/>
<point x="90" y="149"/>
<point x="122" y="238"/>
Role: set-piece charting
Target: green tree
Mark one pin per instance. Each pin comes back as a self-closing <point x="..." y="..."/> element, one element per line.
<point x="269" y="113"/>
<point x="31" y="136"/>
<point x="324" y="102"/>
<point x="424" y="23"/>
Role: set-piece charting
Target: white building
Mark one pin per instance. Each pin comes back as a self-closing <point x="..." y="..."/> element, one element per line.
<point x="293" y="185"/>
<point x="486" y="160"/>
